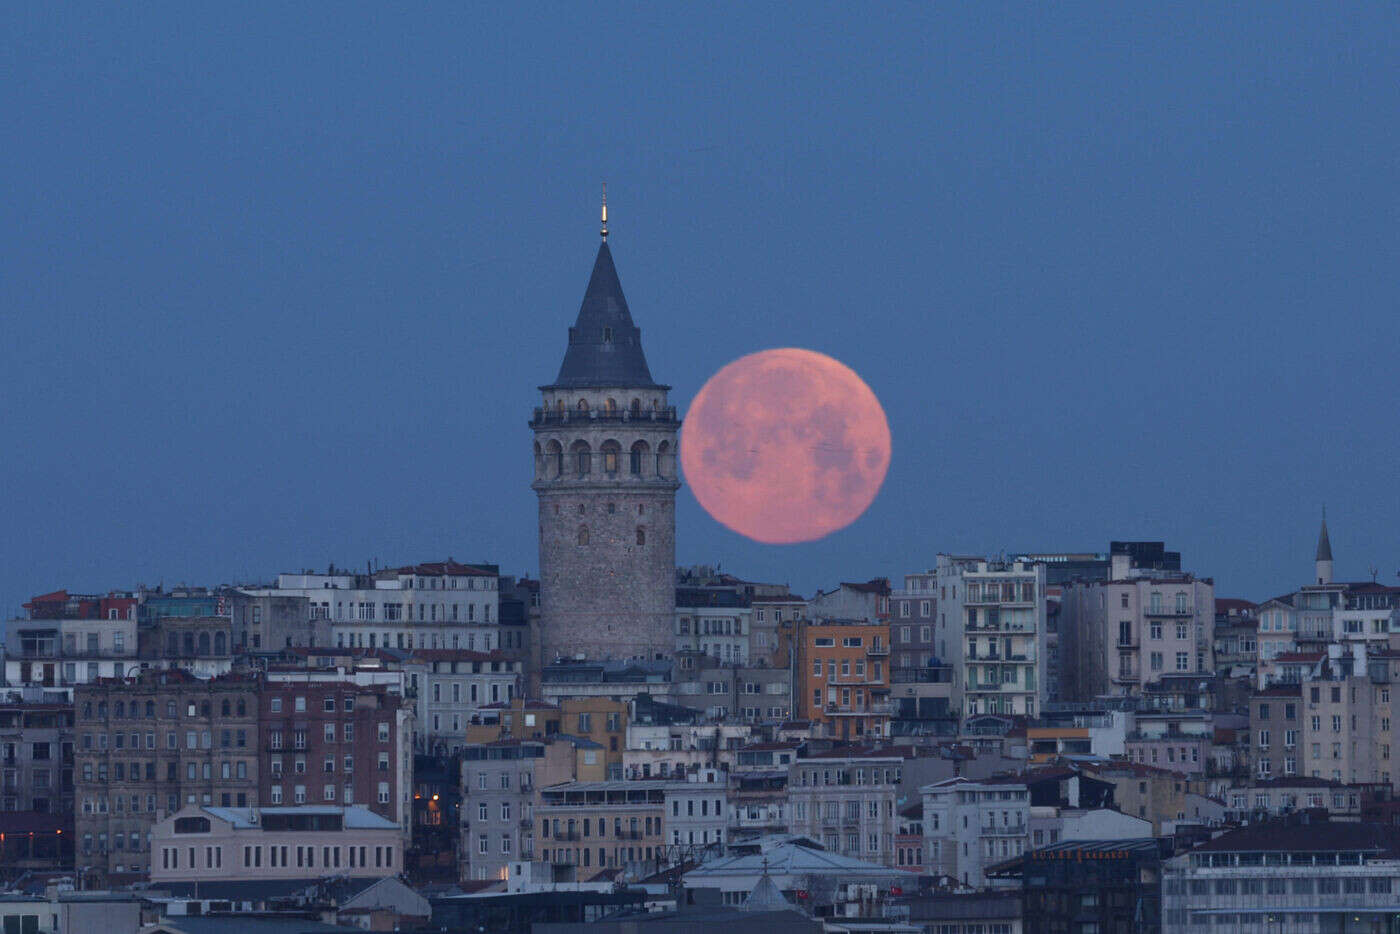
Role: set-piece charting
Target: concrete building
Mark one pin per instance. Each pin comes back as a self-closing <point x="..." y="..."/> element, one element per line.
<point x="433" y="605"/>
<point x="36" y="757"/>
<point x="498" y="803"/>
<point x="594" y="826"/>
<point x="1275" y="728"/>
<point x="1292" y="874"/>
<point x="454" y="686"/>
<point x="843" y="668"/>
<point x="59" y="653"/>
<point x="715" y="623"/>
<point x="217" y="844"/>
<point x="1265" y="799"/>
<point x="1121" y="634"/>
<point x="606" y="477"/>
<point x="266" y="621"/>
<point x="697" y="815"/>
<point x="913" y="618"/>
<point x="336" y="743"/>
<point x="999" y="611"/>
<point x="152" y="744"/>
<point x="847" y="802"/>
<point x="751" y="693"/>
<point x="970" y="825"/>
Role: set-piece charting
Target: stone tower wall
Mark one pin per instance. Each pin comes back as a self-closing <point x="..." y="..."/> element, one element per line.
<point x="605" y="590"/>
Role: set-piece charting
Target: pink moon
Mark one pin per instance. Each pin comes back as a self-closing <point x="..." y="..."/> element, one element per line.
<point x="785" y="446"/>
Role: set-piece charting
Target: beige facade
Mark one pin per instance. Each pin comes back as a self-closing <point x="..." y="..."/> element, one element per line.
<point x="148" y="746"/>
<point x="211" y="844"/>
<point x="599" y="825"/>
<point x="1347" y="732"/>
<point x="1119" y="635"/>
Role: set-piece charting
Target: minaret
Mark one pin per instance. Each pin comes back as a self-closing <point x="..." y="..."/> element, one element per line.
<point x="605" y="475"/>
<point x="1323" y="563"/>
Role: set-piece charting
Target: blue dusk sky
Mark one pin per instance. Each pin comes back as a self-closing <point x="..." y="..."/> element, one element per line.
<point x="279" y="281"/>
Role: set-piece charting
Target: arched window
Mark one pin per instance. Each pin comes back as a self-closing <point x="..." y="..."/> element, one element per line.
<point x="120" y="710"/>
<point x="243" y="708"/>
<point x="636" y="407"/>
<point x="172" y="643"/>
<point x="610" y="407"/>
<point x="662" y="450"/>
<point x="583" y="457"/>
<point x="612" y="453"/>
<point x="583" y="406"/>
<point x="189" y="644"/>
<point x="539" y="460"/>
<point x="554" y="456"/>
<point x="225" y="709"/>
<point x="220" y="644"/>
<point x="204" y="643"/>
<point x="150" y="710"/>
<point x="205" y="710"/>
<point x="641" y="536"/>
<point x="639" y="457"/>
<point x="583" y="535"/>
<point x="559" y="407"/>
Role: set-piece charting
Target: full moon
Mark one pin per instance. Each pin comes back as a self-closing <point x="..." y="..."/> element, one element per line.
<point x="785" y="446"/>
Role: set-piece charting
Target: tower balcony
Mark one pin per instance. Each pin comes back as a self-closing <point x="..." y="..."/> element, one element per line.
<point x="557" y="418"/>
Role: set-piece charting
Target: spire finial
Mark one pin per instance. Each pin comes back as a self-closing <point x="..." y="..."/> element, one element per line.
<point x="605" y="212"/>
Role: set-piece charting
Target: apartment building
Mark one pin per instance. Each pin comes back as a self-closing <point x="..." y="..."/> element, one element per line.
<point x="36" y="756"/>
<point x="498" y="804"/>
<point x="57" y="653"/>
<point x="434" y="605"/>
<point x="713" y="622"/>
<point x="913" y="620"/>
<point x="697" y="814"/>
<point x="971" y="824"/>
<point x="1292" y="874"/>
<point x="1275" y="729"/>
<point x="1000" y="614"/>
<point x="454" y="685"/>
<point x="149" y="745"/>
<point x="752" y="693"/>
<point x="847" y="802"/>
<point x="594" y="826"/>
<point x="334" y="743"/>
<point x="843" y="667"/>
<point x="217" y="844"/>
<point x="1119" y="635"/>
<point x="1346" y="733"/>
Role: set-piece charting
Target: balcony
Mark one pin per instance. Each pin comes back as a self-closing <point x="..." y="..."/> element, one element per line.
<point x="879" y="709"/>
<point x="1013" y="830"/>
<point x="877" y="648"/>
<point x="544" y="416"/>
<point x="1168" y="611"/>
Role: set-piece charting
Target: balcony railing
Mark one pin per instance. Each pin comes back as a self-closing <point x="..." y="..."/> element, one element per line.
<point x="1168" y="611"/>
<point x="1013" y="830"/>
<point x="544" y="416"/>
<point x="878" y="648"/>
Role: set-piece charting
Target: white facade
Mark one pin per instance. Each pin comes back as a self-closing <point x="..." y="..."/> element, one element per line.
<point x="970" y="825"/>
<point x="433" y="606"/>
<point x="722" y="632"/>
<point x="696" y="811"/>
<point x="452" y="687"/>
<point x="992" y="614"/>
<point x="847" y="804"/>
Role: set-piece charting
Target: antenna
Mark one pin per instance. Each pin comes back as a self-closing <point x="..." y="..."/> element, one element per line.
<point x="604" y="230"/>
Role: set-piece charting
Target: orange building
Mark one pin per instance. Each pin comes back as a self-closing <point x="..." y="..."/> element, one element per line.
<point x="843" y="669"/>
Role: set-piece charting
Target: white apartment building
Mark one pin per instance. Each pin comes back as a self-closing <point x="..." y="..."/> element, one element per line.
<point x="438" y="605"/>
<point x="847" y="803"/>
<point x="696" y="813"/>
<point x="970" y="825"/>
<point x="721" y="632"/>
<point x="453" y="685"/>
<point x="995" y="614"/>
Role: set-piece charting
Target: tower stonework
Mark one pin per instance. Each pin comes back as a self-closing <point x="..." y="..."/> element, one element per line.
<point x="606" y="477"/>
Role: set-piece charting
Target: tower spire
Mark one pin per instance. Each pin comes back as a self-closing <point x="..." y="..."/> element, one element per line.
<point x="604" y="230"/>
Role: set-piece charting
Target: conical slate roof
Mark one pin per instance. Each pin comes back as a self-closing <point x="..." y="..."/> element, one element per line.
<point x="1324" y="544"/>
<point x="605" y="347"/>
<point x="765" y="897"/>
